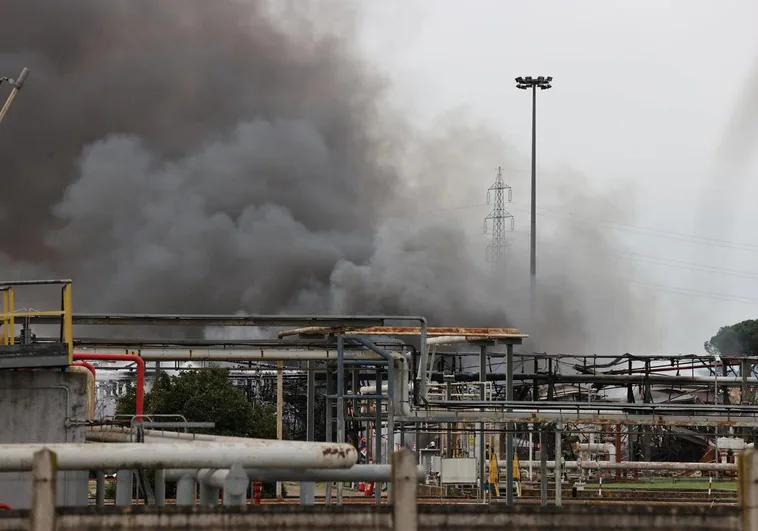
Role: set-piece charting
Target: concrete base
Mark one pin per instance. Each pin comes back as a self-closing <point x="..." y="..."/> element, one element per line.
<point x="40" y="407"/>
<point x="370" y="518"/>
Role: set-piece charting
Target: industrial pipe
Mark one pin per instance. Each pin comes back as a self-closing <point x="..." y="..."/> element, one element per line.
<point x="375" y="473"/>
<point x="639" y="465"/>
<point x="125" y="456"/>
<point x="252" y="354"/>
<point x="606" y="448"/>
<point x="88" y="366"/>
<point x="140" y="386"/>
<point x="600" y="407"/>
<point x="119" y="434"/>
<point x="578" y="417"/>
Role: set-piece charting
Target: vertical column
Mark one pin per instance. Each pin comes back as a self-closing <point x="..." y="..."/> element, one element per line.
<point x="391" y="382"/>
<point x="405" y="485"/>
<point x="509" y="426"/>
<point x="235" y="486"/>
<point x="618" y="450"/>
<point x="378" y="434"/>
<point x="44" y="469"/>
<point x="307" y="488"/>
<point x="279" y="412"/>
<point x="531" y="451"/>
<point x="558" y="472"/>
<point x="185" y="489"/>
<point x="747" y="467"/>
<point x="100" y="488"/>
<point x="356" y="425"/>
<point x="482" y="396"/>
<point x="341" y="402"/>
<point x="328" y="428"/>
<point x="160" y="487"/>
<point x="208" y="494"/>
<point x="543" y="465"/>
<point x="124" y="487"/>
<point x="449" y="379"/>
<point x="744" y="371"/>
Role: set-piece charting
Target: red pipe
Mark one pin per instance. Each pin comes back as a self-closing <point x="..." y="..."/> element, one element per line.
<point x="140" y="398"/>
<point x="89" y="366"/>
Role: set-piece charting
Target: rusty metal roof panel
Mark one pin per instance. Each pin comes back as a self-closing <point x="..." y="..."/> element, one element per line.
<point x="470" y="333"/>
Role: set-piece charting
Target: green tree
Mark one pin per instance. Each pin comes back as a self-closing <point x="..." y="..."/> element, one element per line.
<point x="735" y="340"/>
<point x="206" y="396"/>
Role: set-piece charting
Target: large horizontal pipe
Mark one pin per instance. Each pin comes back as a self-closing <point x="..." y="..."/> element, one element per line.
<point x="600" y="407"/>
<point x="653" y="379"/>
<point x="576" y="417"/>
<point x="446" y="340"/>
<point x="93" y="456"/>
<point x="635" y="465"/>
<point x="271" y="354"/>
<point x="224" y="320"/>
<point x="376" y="473"/>
<point x="611" y="379"/>
<point x="119" y="434"/>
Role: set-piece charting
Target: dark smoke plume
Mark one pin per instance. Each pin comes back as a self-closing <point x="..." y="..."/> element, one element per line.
<point x="196" y="156"/>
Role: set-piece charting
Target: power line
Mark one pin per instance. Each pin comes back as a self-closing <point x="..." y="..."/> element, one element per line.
<point x="627" y="227"/>
<point x="667" y="262"/>
<point x="659" y="233"/>
<point x="693" y="292"/>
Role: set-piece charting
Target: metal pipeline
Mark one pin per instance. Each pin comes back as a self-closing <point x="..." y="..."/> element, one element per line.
<point x="119" y="434"/>
<point x="578" y="417"/>
<point x="252" y="354"/>
<point x="140" y="386"/>
<point x="375" y="473"/>
<point x="599" y="407"/>
<point x="91" y="368"/>
<point x="637" y="465"/>
<point x="605" y="448"/>
<point x="125" y="456"/>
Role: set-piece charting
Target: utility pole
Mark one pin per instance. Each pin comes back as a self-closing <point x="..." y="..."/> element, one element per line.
<point x="501" y="219"/>
<point x="524" y="83"/>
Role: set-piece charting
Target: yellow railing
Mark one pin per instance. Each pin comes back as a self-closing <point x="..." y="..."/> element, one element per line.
<point x="9" y="315"/>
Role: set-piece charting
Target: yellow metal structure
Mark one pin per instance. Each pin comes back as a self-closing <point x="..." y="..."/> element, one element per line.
<point x="517" y="475"/>
<point x="9" y="316"/>
<point x="494" y="475"/>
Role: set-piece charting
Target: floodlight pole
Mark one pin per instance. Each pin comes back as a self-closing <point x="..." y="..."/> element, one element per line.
<point x="524" y="83"/>
<point x="533" y="237"/>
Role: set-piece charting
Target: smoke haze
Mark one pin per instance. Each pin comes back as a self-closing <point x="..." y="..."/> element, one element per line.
<point x="193" y="156"/>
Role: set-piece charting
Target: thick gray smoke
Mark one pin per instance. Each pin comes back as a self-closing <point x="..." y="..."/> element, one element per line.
<point x="194" y="156"/>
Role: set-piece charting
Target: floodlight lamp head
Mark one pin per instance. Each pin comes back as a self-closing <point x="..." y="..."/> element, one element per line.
<point x="520" y="80"/>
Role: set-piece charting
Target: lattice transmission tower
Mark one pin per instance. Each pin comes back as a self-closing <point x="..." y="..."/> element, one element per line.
<point x="501" y="220"/>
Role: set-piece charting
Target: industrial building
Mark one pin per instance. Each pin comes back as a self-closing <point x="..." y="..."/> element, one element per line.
<point x="518" y="429"/>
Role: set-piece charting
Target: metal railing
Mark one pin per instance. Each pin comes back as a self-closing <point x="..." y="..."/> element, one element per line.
<point x="9" y="316"/>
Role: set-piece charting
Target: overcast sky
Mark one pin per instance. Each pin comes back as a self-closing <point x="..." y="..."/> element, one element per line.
<point x="644" y="95"/>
